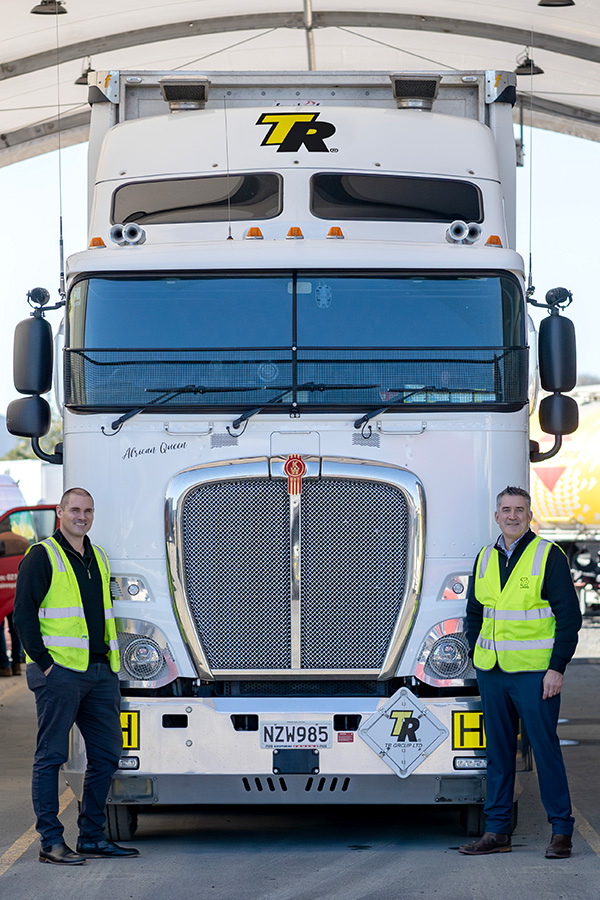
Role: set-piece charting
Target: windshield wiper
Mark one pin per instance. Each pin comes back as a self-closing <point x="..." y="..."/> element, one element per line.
<point x="165" y="396"/>
<point x="307" y="386"/>
<point x="364" y="420"/>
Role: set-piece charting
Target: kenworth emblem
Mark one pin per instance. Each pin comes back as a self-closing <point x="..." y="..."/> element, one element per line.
<point x="293" y="130"/>
<point x="294" y="468"/>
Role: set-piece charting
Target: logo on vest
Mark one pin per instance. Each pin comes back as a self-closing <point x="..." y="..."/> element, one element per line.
<point x="290" y="131"/>
<point x="524" y="584"/>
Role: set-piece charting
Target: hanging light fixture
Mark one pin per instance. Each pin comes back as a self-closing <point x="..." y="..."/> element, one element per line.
<point x="556" y="2"/>
<point x="49" y="8"/>
<point x="86" y="70"/>
<point x="526" y="66"/>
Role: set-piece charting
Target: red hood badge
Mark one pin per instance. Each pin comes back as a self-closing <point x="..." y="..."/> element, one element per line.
<point x="294" y="468"/>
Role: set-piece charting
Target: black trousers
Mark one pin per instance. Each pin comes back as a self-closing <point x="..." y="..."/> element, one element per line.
<point x="507" y="697"/>
<point x="90" y="700"/>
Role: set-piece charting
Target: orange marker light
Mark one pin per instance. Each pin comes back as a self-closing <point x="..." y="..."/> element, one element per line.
<point x="493" y="241"/>
<point x="97" y="242"/>
<point x="294" y="234"/>
<point x="254" y="234"/>
<point x="335" y="232"/>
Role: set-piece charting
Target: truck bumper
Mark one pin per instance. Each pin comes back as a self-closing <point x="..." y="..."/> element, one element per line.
<point x="187" y="751"/>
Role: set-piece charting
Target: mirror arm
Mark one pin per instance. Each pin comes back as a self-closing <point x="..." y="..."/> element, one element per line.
<point x="534" y="450"/>
<point x="55" y="458"/>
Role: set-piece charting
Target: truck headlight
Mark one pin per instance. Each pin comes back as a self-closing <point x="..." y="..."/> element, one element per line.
<point x="146" y="658"/>
<point x="143" y="659"/>
<point x="449" y="657"/>
<point x="444" y="657"/>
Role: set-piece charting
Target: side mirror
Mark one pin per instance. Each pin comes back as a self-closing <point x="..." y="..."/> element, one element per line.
<point x="557" y="354"/>
<point x="558" y="415"/>
<point x="33" y="353"/>
<point x="28" y="417"/>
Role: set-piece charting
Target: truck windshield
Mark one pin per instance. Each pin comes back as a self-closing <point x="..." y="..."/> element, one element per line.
<point x="251" y="340"/>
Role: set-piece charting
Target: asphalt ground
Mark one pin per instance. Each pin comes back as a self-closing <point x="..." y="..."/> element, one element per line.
<point x="363" y="853"/>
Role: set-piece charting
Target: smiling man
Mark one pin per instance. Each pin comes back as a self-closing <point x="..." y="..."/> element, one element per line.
<point x="63" y="614"/>
<point x="522" y="622"/>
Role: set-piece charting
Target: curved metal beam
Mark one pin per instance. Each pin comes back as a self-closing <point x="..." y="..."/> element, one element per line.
<point x="328" y="19"/>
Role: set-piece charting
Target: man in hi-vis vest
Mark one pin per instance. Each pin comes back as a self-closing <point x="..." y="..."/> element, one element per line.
<point x="63" y="613"/>
<point x="522" y="622"/>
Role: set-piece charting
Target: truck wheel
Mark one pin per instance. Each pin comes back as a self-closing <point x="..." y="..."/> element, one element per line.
<point x="121" y="822"/>
<point x="471" y="820"/>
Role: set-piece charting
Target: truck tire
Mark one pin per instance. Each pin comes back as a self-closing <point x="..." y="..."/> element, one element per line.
<point x="471" y="820"/>
<point x="121" y="822"/>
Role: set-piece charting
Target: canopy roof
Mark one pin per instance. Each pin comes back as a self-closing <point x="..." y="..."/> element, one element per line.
<point x="43" y="55"/>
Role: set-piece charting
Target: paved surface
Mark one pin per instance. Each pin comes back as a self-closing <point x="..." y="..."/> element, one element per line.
<point x="313" y="854"/>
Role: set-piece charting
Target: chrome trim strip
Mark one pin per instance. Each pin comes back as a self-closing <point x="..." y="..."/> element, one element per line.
<point x="295" y="577"/>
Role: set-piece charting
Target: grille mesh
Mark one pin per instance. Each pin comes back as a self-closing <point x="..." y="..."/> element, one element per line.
<point x="236" y="538"/>
<point x="354" y="546"/>
<point x="236" y="561"/>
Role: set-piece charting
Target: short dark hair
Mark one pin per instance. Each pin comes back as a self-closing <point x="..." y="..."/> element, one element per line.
<point x="513" y="492"/>
<point x="74" y="490"/>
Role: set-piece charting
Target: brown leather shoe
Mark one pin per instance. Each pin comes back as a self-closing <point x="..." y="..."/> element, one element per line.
<point x="6" y="672"/>
<point x="489" y="843"/>
<point x="559" y="847"/>
<point x="16" y="668"/>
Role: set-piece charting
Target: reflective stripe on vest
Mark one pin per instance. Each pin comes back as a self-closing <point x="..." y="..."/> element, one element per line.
<point x="518" y="626"/>
<point x="62" y="617"/>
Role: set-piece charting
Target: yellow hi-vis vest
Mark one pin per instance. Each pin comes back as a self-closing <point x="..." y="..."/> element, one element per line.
<point x="518" y="626"/>
<point x="62" y="618"/>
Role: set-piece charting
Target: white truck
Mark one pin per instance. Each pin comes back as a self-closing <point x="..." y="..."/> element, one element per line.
<point x="296" y="374"/>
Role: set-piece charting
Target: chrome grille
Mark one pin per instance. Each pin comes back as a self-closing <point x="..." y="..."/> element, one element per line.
<point x="354" y="549"/>
<point x="235" y="546"/>
<point x="236" y="537"/>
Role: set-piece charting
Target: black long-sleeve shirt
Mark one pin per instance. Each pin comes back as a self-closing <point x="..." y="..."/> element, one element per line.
<point x="557" y="589"/>
<point x="33" y="583"/>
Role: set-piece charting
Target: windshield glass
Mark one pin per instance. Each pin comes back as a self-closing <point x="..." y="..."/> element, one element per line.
<point x="322" y="339"/>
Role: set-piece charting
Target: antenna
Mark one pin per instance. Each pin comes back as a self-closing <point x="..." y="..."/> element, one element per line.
<point x="530" y="285"/>
<point x="229" y="235"/>
<point x="61" y="247"/>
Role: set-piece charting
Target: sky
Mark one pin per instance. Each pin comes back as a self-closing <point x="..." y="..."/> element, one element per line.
<point x="565" y="199"/>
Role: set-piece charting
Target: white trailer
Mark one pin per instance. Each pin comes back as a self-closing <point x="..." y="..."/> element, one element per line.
<point x="295" y="377"/>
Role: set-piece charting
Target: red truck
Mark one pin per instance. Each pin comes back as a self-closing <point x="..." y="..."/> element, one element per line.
<point x="20" y="527"/>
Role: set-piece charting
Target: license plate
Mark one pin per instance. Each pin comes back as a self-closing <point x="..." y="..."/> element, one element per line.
<point x="295" y="735"/>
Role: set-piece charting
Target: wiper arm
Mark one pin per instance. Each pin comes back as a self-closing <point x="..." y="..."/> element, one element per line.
<point x="308" y="386"/>
<point x="364" y="420"/>
<point x="165" y="396"/>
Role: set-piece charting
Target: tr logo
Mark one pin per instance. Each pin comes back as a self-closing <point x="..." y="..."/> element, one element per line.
<point x="293" y="130"/>
<point x="406" y="726"/>
<point x="524" y="584"/>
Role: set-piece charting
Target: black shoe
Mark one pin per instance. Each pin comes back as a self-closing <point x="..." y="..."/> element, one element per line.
<point x="489" y="843"/>
<point x="60" y="855"/>
<point x="104" y="848"/>
<point x="559" y="847"/>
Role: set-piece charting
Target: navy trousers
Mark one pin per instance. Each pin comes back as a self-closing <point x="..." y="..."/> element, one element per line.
<point x="90" y="700"/>
<point x="506" y="698"/>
